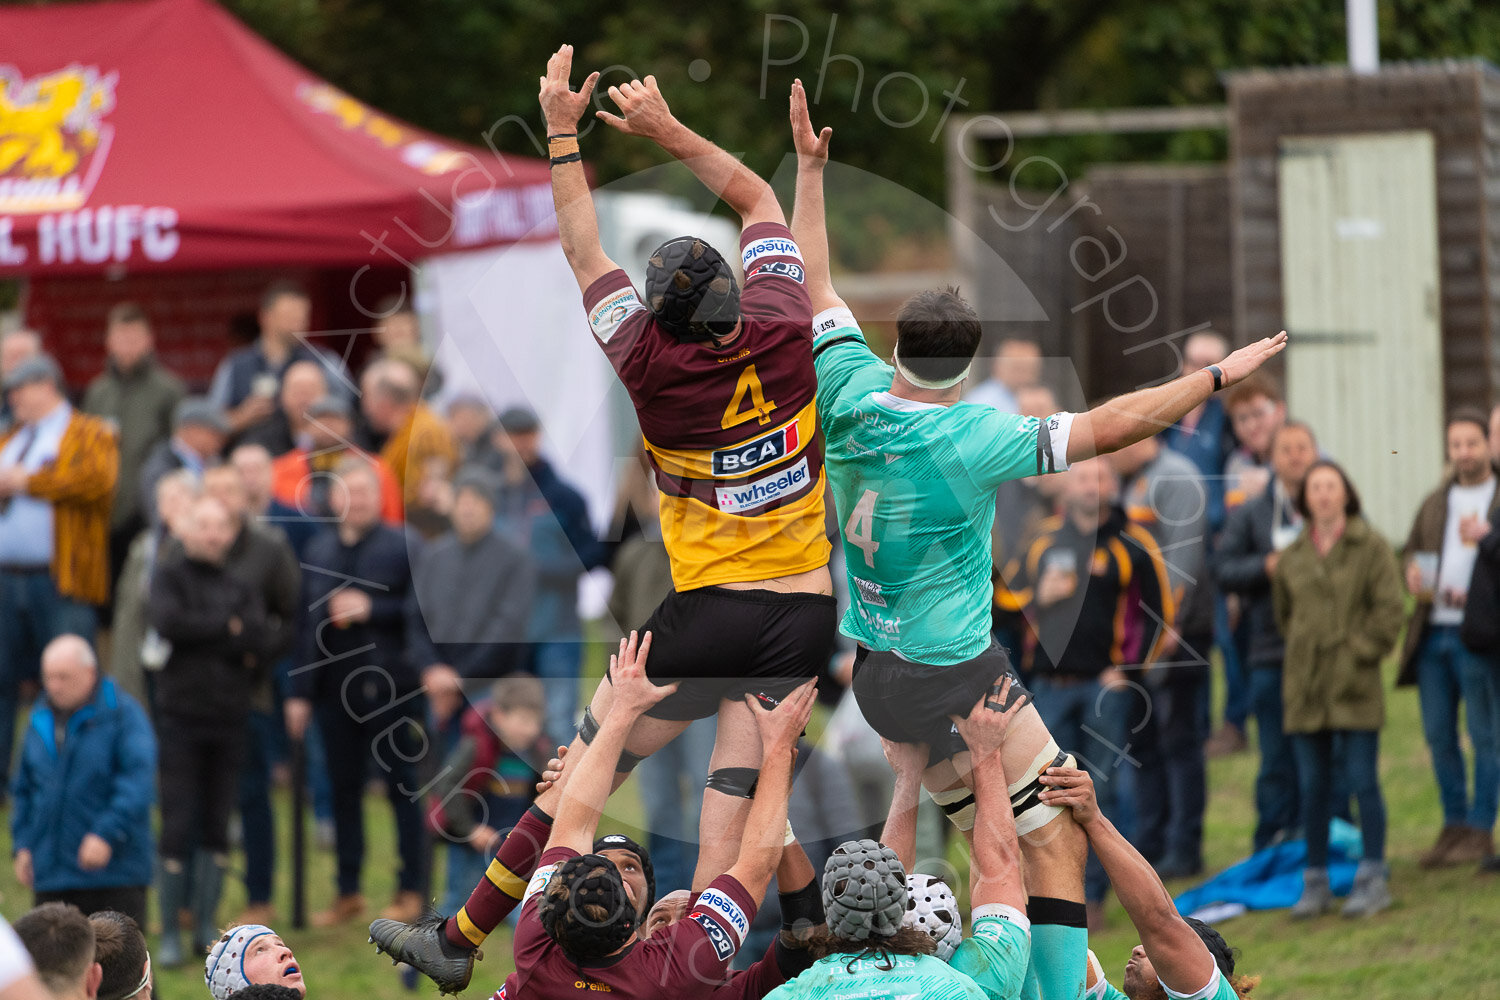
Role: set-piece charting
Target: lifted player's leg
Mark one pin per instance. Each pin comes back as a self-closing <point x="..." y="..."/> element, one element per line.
<point x="732" y="773"/>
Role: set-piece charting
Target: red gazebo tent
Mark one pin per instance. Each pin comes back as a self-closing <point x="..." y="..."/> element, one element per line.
<point x="162" y="145"/>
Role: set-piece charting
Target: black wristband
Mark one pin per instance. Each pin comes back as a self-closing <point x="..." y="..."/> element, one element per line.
<point x="1218" y="376"/>
<point x="802" y="906"/>
<point x="561" y="135"/>
<point x="569" y="158"/>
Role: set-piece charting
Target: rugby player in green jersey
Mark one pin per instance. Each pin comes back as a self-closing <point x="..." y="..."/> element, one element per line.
<point x="1178" y="958"/>
<point x="914" y="471"/>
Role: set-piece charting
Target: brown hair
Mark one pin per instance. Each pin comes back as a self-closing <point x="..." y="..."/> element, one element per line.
<point x="906" y="941"/>
<point x="61" y="942"/>
<point x="518" y="692"/>
<point x="1257" y="386"/>
<point x="1351" y="495"/>
<point x="282" y="289"/>
<point x="937" y="333"/>
<point x="120" y="950"/>
<point x="128" y="312"/>
<point x="1469" y="415"/>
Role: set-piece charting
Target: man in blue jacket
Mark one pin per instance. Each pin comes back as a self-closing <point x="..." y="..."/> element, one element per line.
<point x="83" y="792"/>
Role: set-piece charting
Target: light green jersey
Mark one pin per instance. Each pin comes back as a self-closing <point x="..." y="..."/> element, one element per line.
<point x="914" y="484"/>
<point x="995" y="956"/>
<point x="911" y="977"/>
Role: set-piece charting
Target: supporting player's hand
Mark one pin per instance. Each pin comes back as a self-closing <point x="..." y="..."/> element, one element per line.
<point x="643" y="111"/>
<point x="1072" y="789"/>
<point x="1242" y="363"/>
<point x="634" y="692"/>
<point x="983" y="729"/>
<point x="905" y="758"/>
<point x="562" y="106"/>
<point x="812" y="148"/>
<point x="553" y="772"/>
<point x="782" y="726"/>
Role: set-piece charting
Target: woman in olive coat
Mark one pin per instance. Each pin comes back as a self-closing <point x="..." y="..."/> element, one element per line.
<point x="1339" y="605"/>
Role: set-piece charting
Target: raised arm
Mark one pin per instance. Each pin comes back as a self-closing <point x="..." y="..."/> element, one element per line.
<point x="1138" y="415"/>
<point x="1182" y="961"/>
<point x="765" y="826"/>
<point x="644" y="112"/>
<point x="996" y="873"/>
<point x="577" y="225"/>
<point x="809" y="219"/>
<point x="908" y="761"/>
<point x="588" y="789"/>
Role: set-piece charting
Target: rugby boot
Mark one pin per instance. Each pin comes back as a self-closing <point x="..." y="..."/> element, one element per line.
<point x="1371" y="892"/>
<point x="423" y="945"/>
<point x="1317" y="897"/>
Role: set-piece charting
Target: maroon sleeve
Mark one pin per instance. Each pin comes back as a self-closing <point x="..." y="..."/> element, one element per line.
<point x="703" y="943"/>
<point x="775" y="287"/>
<point x="758" y="980"/>
<point x="621" y="326"/>
<point x="531" y="941"/>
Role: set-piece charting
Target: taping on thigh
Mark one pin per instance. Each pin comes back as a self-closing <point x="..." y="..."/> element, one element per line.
<point x="1026" y="793"/>
<point x="957" y="804"/>
<point x="589" y="728"/>
<point x="737" y="781"/>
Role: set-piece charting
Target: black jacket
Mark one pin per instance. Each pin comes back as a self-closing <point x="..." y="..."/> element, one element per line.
<point x="469" y="605"/>
<point x="1481" y="627"/>
<point x="378" y="565"/>
<point x="1239" y="565"/>
<point x="211" y="672"/>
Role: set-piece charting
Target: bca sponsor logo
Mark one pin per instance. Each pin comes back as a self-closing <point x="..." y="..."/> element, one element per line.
<point x="721" y="904"/>
<point x="737" y="499"/>
<point x="751" y="455"/>
<point x="785" y="268"/>
<point x="53" y="139"/>
<point x="773" y="246"/>
<point x="717" y="936"/>
<point x="869" y="592"/>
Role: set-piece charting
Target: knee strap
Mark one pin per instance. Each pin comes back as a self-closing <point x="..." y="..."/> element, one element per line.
<point x="737" y="781"/>
<point x="1026" y="794"/>
<point x="589" y="728"/>
<point x="958" y="805"/>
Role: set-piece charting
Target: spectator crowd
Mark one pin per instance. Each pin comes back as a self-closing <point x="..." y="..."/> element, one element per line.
<point x="309" y="559"/>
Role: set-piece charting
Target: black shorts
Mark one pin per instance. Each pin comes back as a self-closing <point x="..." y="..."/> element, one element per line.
<point x="722" y="643"/>
<point x="910" y="702"/>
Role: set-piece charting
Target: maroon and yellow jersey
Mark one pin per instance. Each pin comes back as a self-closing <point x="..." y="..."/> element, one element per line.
<point x="732" y="433"/>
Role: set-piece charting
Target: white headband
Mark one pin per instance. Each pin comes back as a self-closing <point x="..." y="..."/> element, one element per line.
<point x="927" y="383"/>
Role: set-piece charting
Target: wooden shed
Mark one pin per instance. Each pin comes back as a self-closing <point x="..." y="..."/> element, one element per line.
<point x="1365" y="214"/>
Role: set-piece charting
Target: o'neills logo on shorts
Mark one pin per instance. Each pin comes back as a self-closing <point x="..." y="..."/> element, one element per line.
<point x="745" y="458"/>
<point x="738" y="499"/>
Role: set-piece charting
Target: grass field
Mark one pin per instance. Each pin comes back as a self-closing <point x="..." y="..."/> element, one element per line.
<point x="1438" y="940"/>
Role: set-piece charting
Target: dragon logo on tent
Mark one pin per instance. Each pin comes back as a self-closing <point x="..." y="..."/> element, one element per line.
<point x="53" y="140"/>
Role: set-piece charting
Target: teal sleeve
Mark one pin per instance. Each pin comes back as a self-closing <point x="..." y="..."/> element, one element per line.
<point x="995" y="957"/>
<point x="1110" y="993"/>
<point x="999" y="447"/>
<point x="839" y="353"/>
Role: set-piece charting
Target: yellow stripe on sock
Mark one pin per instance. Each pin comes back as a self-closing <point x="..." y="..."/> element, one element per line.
<point x="466" y="927"/>
<point x="506" y="880"/>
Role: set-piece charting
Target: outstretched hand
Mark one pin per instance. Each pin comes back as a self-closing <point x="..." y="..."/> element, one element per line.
<point x="1243" y="363"/>
<point x="983" y="729"/>
<point x="1073" y="789"/>
<point x="553" y="772"/>
<point x="811" y="148"/>
<point x="782" y="726"/>
<point x="633" y="690"/>
<point x="562" y="106"/>
<point x="643" y="111"/>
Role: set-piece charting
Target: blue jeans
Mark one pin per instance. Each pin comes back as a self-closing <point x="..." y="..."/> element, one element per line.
<point x="465" y="867"/>
<point x="32" y="614"/>
<point x="1315" y="770"/>
<point x="671" y="785"/>
<point x="1276" y="789"/>
<point x="257" y="825"/>
<point x="1091" y="723"/>
<point x="1232" y="645"/>
<point x="559" y="665"/>
<point x="1171" y="785"/>
<point x="1446" y="673"/>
